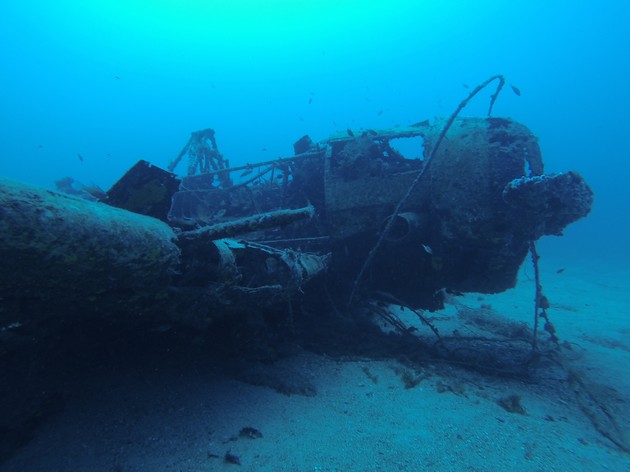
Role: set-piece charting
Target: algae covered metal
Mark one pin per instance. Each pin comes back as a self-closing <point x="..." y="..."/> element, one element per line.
<point x="354" y="211"/>
<point x="466" y="225"/>
<point x="67" y="254"/>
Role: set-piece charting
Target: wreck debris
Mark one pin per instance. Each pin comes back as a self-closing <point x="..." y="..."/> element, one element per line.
<point x="250" y="433"/>
<point x="476" y="203"/>
<point x="388" y="230"/>
<point x="420" y="174"/>
<point x="230" y="458"/>
<point x="512" y="404"/>
<point x="203" y="155"/>
<point x="199" y="201"/>
<point x="272" y="219"/>
<point x="67" y="250"/>
<point x="240" y="276"/>
<point x="456" y="209"/>
<point x="144" y="189"/>
<point x="86" y="257"/>
<point x="461" y="218"/>
<point x="556" y="199"/>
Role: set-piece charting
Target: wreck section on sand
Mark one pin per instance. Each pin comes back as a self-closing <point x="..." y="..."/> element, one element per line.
<point x="169" y="247"/>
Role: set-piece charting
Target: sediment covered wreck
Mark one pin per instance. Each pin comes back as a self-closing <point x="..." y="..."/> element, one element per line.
<point x="347" y="220"/>
<point x="351" y="210"/>
<point x="328" y="248"/>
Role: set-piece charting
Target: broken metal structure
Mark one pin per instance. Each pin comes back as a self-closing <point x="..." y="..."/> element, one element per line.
<point x="352" y="210"/>
<point x="350" y="225"/>
<point x="466" y="226"/>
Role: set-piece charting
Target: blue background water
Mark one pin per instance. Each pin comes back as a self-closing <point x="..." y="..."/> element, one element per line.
<point x="117" y="81"/>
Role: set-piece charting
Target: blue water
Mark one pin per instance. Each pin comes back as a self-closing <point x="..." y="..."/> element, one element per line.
<point x="88" y="88"/>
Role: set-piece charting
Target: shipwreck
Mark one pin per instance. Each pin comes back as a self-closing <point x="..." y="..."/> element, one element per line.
<point x="352" y="212"/>
<point x="345" y="247"/>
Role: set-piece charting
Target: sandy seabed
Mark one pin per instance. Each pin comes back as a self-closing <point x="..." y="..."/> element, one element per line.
<point x="358" y="414"/>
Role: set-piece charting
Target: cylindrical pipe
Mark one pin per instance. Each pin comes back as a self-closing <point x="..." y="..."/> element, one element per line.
<point x="405" y="226"/>
<point x="57" y="249"/>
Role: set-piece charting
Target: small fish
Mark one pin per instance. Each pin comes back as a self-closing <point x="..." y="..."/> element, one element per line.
<point x="40" y="146"/>
<point x="116" y="77"/>
<point x="380" y="112"/>
<point x="350" y="133"/>
<point x="246" y="172"/>
<point x="516" y="90"/>
<point x="212" y="85"/>
<point x="264" y="149"/>
<point x="80" y="157"/>
<point x="466" y="86"/>
<point x="310" y="100"/>
<point x="427" y="249"/>
<point x="560" y="271"/>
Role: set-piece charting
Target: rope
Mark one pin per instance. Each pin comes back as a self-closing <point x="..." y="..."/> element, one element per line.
<point x="412" y="187"/>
